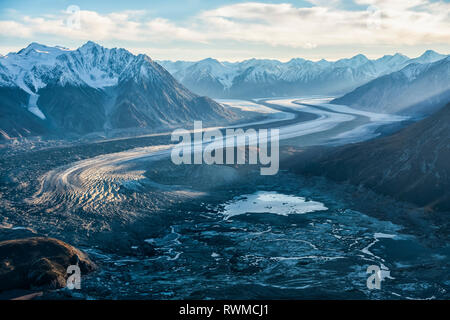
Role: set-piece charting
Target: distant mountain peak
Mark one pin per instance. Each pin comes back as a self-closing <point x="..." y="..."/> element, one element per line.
<point x="429" y="53"/>
<point x="396" y="58"/>
<point x="352" y="62"/>
<point x="400" y="55"/>
<point x="143" y="57"/>
<point x="90" y="44"/>
<point x="35" y="47"/>
<point x="210" y="60"/>
<point x="428" y="57"/>
<point x="209" y="63"/>
<point x="296" y="61"/>
<point x="359" y="56"/>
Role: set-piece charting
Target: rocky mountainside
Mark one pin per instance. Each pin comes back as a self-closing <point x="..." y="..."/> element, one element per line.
<point x="265" y="78"/>
<point x="53" y="89"/>
<point x="418" y="89"/>
<point x="411" y="165"/>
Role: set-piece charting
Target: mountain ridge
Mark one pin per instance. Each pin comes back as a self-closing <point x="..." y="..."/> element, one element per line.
<point x="410" y="165"/>
<point x="257" y="78"/>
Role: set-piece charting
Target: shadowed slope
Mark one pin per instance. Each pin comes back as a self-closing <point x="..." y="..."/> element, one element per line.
<point x="411" y="165"/>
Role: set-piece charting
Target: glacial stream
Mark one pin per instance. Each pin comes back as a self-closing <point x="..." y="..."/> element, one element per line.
<point x="304" y="244"/>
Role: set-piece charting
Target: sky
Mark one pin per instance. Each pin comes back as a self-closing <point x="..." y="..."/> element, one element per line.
<point x="232" y="30"/>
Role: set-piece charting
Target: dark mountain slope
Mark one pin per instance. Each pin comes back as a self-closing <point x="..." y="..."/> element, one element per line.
<point x="73" y="108"/>
<point x="148" y="95"/>
<point x="411" y="165"/>
<point x="15" y="119"/>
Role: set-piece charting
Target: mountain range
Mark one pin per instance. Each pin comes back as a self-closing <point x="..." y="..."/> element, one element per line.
<point x="257" y="78"/>
<point x="56" y="90"/>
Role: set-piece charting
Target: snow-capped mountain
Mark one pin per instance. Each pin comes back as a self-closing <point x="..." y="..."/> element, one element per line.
<point x="54" y="89"/>
<point x="417" y="89"/>
<point x="208" y="76"/>
<point x="428" y="56"/>
<point x="264" y="78"/>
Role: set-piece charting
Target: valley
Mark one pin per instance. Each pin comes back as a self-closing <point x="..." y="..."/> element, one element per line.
<point x="158" y="230"/>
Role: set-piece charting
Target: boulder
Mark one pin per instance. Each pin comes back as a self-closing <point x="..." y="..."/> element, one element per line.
<point x="39" y="262"/>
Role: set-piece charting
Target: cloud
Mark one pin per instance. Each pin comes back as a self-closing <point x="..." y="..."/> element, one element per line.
<point x="90" y="25"/>
<point x="14" y="28"/>
<point x="398" y="22"/>
<point x="380" y="22"/>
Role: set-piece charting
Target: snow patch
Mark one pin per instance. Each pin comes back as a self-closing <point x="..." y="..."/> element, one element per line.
<point x="33" y="108"/>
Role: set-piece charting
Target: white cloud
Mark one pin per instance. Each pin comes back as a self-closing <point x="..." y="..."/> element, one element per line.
<point x="393" y="4"/>
<point x="324" y="24"/>
<point x="400" y="22"/>
<point x="14" y="28"/>
<point x="126" y="25"/>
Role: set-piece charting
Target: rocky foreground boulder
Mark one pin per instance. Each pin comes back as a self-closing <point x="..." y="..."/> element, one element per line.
<point x="38" y="262"/>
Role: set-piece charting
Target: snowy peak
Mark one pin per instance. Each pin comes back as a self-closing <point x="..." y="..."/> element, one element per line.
<point x="396" y="58"/>
<point x="428" y="57"/>
<point x="209" y="65"/>
<point x="359" y="58"/>
<point x="430" y="54"/>
<point x="208" y="70"/>
<point x="94" y="65"/>
<point x="400" y="56"/>
<point x="355" y="61"/>
<point x="92" y="49"/>
<point x="90" y="45"/>
<point x="296" y="61"/>
<point x="141" y="68"/>
<point x="37" y="66"/>
<point x="37" y="49"/>
<point x="209" y="61"/>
